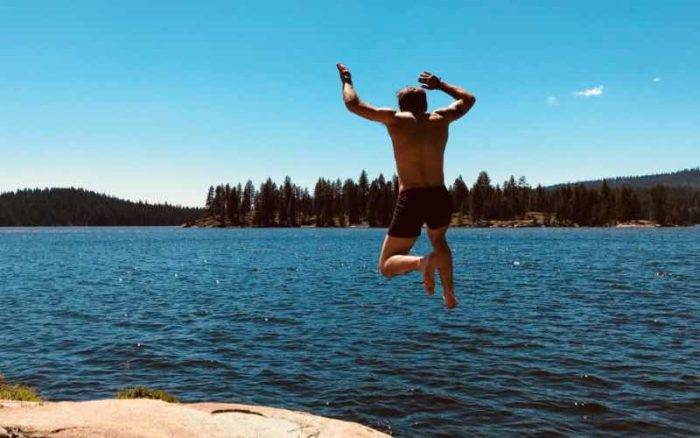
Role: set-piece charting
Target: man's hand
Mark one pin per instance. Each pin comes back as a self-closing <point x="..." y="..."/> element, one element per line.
<point x="345" y="76"/>
<point x="429" y="81"/>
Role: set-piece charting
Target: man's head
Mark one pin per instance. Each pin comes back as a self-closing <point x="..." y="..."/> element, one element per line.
<point x="412" y="99"/>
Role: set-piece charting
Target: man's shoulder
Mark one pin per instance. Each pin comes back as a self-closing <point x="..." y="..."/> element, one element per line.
<point x="406" y="116"/>
<point x="437" y="117"/>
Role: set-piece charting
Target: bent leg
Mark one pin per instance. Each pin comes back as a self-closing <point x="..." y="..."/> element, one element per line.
<point x="443" y="261"/>
<point x="394" y="258"/>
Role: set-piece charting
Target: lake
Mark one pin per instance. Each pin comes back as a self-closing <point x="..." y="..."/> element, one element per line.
<point x="569" y="331"/>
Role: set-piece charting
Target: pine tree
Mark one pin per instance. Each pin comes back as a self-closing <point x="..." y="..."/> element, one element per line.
<point x="607" y="204"/>
<point x="363" y="194"/>
<point x="373" y="200"/>
<point x="225" y="204"/>
<point x="388" y="199"/>
<point x="247" y="201"/>
<point x="541" y="203"/>
<point x="288" y="210"/>
<point x="524" y="198"/>
<point x="382" y="207"/>
<point x="339" y="210"/>
<point x="209" y="204"/>
<point x="351" y="201"/>
<point x="323" y="203"/>
<point x="563" y="206"/>
<point x="481" y="194"/>
<point x="510" y="199"/>
<point x="582" y="200"/>
<point x="460" y="196"/>
<point x="233" y="205"/>
<point x="266" y="204"/>
<point x="220" y="205"/>
<point x="305" y="205"/>
<point x="626" y="204"/>
<point x="659" y="211"/>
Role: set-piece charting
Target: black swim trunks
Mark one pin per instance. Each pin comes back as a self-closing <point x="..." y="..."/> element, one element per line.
<point x="419" y="205"/>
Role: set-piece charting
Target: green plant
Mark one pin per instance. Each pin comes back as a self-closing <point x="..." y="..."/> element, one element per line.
<point x="11" y="391"/>
<point x="145" y="392"/>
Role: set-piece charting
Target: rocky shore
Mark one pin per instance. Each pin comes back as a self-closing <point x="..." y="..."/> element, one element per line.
<point x="528" y="220"/>
<point x="154" y="418"/>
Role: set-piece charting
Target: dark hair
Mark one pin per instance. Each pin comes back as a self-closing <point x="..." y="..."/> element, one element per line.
<point x="412" y="99"/>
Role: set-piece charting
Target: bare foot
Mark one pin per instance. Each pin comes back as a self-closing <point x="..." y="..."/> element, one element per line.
<point x="449" y="297"/>
<point x="428" y="268"/>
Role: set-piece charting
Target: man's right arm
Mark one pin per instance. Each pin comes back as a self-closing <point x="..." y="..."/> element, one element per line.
<point x="357" y="106"/>
<point x="464" y="100"/>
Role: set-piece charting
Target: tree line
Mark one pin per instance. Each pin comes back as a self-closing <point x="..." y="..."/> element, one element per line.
<point x="680" y="178"/>
<point x="337" y="203"/>
<point x="71" y="206"/>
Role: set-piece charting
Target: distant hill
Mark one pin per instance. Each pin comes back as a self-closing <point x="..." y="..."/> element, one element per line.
<point x="79" y="207"/>
<point x="682" y="178"/>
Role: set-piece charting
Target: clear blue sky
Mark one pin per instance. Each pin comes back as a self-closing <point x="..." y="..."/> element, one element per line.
<point x="158" y="100"/>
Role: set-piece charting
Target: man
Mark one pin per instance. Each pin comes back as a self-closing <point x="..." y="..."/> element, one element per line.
<point x="419" y="139"/>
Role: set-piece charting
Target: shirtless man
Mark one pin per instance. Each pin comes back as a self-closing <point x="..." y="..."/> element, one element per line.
<point x="419" y="140"/>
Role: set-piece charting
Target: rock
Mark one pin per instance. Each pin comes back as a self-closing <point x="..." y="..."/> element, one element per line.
<point x="11" y="432"/>
<point x="155" y="418"/>
<point x="639" y="223"/>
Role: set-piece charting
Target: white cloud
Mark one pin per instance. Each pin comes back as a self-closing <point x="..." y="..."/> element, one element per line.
<point x="552" y="101"/>
<point x="588" y="92"/>
<point x="656" y="79"/>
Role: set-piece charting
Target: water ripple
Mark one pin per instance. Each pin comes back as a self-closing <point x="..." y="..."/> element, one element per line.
<point x="560" y="332"/>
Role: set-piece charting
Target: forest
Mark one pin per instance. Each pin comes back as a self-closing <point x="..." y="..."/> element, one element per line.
<point x="78" y="207"/>
<point x="336" y="203"/>
<point x="680" y="178"/>
<point x="365" y="202"/>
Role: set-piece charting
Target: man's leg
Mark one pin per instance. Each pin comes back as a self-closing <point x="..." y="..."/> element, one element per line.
<point x="443" y="261"/>
<point x="394" y="260"/>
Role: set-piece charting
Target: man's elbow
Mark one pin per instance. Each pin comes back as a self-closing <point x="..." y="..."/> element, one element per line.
<point x="469" y="102"/>
<point x="352" y="104"/>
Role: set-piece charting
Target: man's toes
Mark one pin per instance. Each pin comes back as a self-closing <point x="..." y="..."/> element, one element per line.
<point x="450" y="300"/>
<point x="428" y="283"/>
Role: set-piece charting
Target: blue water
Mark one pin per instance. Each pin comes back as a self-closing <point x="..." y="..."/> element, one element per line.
<point x="572" y="331"/>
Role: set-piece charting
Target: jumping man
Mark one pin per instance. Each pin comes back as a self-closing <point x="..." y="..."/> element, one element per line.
<point x="419" y="139"/>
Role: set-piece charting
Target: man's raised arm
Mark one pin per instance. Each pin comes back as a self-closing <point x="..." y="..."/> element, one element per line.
<point x="355" y="105"/>
<point x="464" y="100"/>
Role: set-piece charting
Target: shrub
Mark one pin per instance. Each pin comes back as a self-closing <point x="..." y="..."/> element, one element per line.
<point x="145" y="392"/>
<point x="10" y="391"/>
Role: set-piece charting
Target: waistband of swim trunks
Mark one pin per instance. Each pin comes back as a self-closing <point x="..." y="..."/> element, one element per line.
<point x="424" y="189"/>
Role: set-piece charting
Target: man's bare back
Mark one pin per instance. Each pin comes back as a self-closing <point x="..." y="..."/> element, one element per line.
<point x="419" y="147"/>
<point x="419" y="138"/>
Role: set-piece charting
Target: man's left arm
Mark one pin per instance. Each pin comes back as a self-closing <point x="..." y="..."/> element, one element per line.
<point x="357" y="106"/>
<point x="464" y="100"/>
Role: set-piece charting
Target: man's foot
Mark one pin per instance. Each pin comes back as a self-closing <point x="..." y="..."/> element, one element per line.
<point x="427" y="266"/>
<point x="449" y="297"/>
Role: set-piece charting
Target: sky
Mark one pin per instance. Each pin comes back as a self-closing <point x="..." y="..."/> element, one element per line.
<point x="156" y="101"/>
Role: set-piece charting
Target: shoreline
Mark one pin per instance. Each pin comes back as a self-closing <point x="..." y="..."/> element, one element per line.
<point x="155" y="418"/>
<point x="496" y="223"/>
<point x="361" y="227"/>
